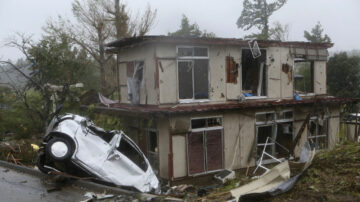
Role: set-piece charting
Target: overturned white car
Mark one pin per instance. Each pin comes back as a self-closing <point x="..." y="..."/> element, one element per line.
<point x="73" y="143"/>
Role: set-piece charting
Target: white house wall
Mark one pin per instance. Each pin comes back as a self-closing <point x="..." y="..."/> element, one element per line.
<point x="167" y="74"/>
<point x="219" y="89"/>
<point x="320" y="77"/>
<point x="274" y="77"/>
<point x="279" y="82"/>
<point x="179" y="154"/>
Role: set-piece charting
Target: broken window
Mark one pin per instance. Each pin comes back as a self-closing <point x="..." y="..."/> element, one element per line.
<point x="304" y="76"/>
<point x="318" y="132"/>
<point x="193" y="75"/>
<point x="231" y="70"/>
<point x="134" y="71"/>
<point x="253" y="73"/>
<point x="130" y="152"/>
<point x="275" y="129"/>
<point x="204" y="143"/>
<point x="152" y="150"/>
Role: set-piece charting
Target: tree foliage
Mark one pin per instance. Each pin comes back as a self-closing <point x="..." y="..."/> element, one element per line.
<point x="344" y="75"/>
<point x="190" y="30"/>
<point x="256" y="13"/>
<point x="279" y="32"/>
<point x="53" y="60"/>
<point x="57" y="61"/>
<point x="98" y="22"/>
<point x="316" y="35"/>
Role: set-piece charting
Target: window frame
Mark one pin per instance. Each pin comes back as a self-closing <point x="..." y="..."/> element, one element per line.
<point x="275" y="125"/>
<point x="316" y="136"/>
<point x="313" y="76"/>
<point x="204" y="129"/>
<point x="265" y="79"/>
<point x="192" y="60"/>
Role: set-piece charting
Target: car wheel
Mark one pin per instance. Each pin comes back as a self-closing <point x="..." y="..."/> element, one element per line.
<point x="59" y="149"/>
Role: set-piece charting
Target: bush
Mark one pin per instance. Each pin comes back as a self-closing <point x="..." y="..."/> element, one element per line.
<point x="16" y="119"/>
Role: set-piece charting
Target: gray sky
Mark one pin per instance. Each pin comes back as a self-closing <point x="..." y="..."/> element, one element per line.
<point x="340" y="18"/>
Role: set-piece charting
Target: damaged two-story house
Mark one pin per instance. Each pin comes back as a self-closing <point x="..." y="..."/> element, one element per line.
<point x="199" y="105"/>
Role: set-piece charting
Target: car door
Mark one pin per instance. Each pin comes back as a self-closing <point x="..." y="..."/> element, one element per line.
<point x="91" y="149"/>
<point x="126" y="165"/>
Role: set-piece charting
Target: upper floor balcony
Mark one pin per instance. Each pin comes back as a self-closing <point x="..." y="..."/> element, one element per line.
<point x="161" y="70"/>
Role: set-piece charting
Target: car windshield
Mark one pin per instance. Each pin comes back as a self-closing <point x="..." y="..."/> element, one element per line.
<point x="132" y="153"/>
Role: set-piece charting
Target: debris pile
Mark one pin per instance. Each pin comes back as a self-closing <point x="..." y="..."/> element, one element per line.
<point x="333" y="176"/>
<point x="22" y="152"/>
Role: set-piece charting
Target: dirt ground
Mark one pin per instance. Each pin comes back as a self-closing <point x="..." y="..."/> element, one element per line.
<point x="333" y="176"/>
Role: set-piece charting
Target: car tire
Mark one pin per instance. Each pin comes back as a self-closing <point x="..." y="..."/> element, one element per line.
<point x="41" y="162"/>
<point x="59" y="149"/>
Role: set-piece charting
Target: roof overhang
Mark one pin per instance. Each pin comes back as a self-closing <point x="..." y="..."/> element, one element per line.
<point x="115" y="46"/>
<point x="156" y="110"/>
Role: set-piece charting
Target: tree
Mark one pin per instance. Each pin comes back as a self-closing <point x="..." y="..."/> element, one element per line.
<point x="279" y="32"/>
<point x="57" y="61"/>
<point x="190" y="30"/>
<point x="100" y="21"/>
<point x="53" y="60"/>
<point x="344" y="75"/>
<point x="256" y="13"/>
<point x="316" y="35"/>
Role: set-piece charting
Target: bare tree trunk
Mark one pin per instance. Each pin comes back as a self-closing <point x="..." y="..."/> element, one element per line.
<point x="117" y="19"/>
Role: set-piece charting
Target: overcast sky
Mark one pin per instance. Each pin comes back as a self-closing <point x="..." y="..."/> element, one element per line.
<point x="340" y="18"/>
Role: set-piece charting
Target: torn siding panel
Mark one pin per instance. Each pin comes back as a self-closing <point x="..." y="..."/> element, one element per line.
<point x="299" y="117"/>
<point x="274" y="75"/>
<point x="247" y="139"/>
<point x="239" y="135"/>
<point x="320" y="77"/>
<point x="233" y="89"/>
<point x="231" y="142"/>
<point x="231" y="70"/>
<point x="287" y="80"/>
<point x="179" y="150"/>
